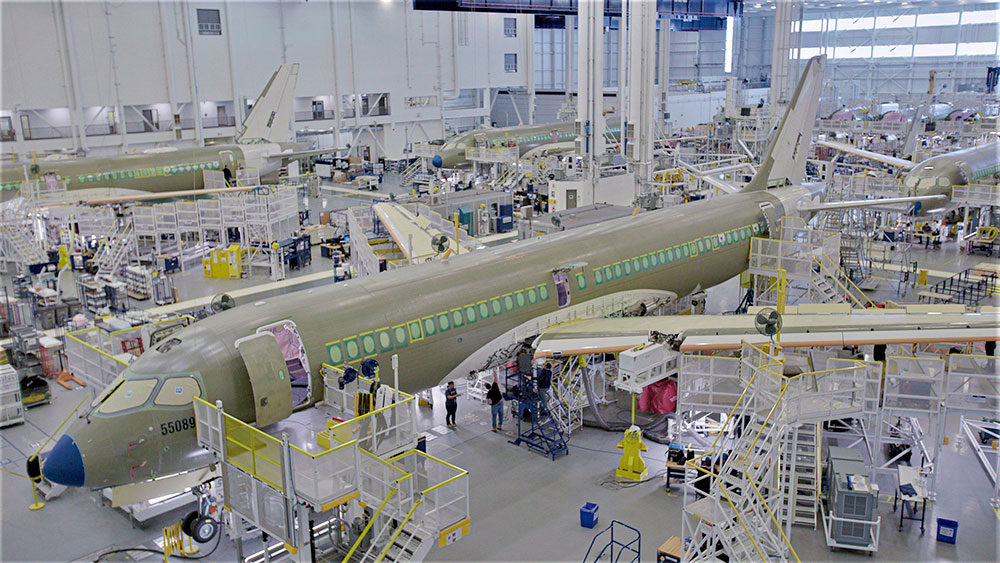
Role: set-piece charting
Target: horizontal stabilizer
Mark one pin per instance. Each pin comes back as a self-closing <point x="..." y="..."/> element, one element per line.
<point x="886" y="201"/>
<point x="883" y="158"/>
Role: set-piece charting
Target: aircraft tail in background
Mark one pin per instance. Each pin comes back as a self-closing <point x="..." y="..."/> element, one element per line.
<point x="785" y="160"/>
<point x="270" y="117"/>
<point x="910" y="143"/>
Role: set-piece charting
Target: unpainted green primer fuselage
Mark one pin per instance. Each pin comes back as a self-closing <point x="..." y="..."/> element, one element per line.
<point x="432" y="315"/>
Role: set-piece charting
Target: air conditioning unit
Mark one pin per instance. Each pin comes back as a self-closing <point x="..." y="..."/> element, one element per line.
<point x="850" y="495"/>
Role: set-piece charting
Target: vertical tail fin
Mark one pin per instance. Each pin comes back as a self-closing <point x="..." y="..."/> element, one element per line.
<point x="910" y="143"/>
<point x="270" y="117"/>
<point x="785" y="161"/>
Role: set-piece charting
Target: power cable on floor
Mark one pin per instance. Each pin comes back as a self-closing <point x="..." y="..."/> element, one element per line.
<point x="614" y="483"/>
<point x="218" y="540"/>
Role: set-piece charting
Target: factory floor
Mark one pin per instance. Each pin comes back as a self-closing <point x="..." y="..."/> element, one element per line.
<point x="525" y="507"/>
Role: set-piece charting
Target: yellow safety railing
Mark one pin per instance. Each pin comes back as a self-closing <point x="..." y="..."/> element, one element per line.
<point x="371" y="521"/>
<point x="73" y="336"/>
<point x="562" y="375"/>
<point x="254" y="451"/>
<point x="399" y="529"/>
<point x="775" y="520"/>
<point x="836" y="274"/>
<point x="730" y="501"/>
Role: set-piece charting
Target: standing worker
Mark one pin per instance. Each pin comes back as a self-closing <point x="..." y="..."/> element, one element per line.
<point x="544" y="381"/>
<point x="496" y="405"/>
<point x="450" y="404"/>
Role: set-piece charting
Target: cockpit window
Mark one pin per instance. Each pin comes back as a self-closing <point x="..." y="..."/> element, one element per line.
<point x="168" y="345"/>
<point x="107" y="391"/>
<point x="130" y="394"/>
<point x="178" y="391"/>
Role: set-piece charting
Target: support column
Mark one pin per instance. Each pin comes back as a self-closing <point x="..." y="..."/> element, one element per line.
<point x="568" y="63"/>
<point x="623" y="60"/>
<point x="192" y="82"/>
<point x="529" y="67"/>
<point x="663" y="70"/>
<point x="239" y="108"/>
<point x="781" y="61"/>
<point x="641" y="19"/>
<point x="590" y="89"/>
<point x="168" y="65"/>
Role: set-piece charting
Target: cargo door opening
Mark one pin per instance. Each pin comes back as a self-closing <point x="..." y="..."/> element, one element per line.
<point x="294" y="354"/>
<point x="269" y="381"/>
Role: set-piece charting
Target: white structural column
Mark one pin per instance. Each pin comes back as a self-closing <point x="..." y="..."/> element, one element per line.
<point x="623" y="70"/>
<point x="663" y="69"/>
<point x="568" y="63"/>
<point x="528" y="24"/>
<point x="641" y="90"/>
<point x="781" y="56"/>
<point x="192" y="80"/>
<point x="590" y="87"/>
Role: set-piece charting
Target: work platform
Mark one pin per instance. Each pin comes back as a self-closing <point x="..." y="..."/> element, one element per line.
<point x="341" y="480"/>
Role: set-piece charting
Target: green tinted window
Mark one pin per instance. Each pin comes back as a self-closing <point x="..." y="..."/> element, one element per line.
<point x="495" y="307"/>
<point x="701" y="246"/>
<point x="368" y="344"/>
<point x="470" y="314"/>
<point x="532" y="295"/>
<point x="352" y="349"/>
<point x="484" y="310"/>
<point x="636" y="267"/>
<point x="399" y="335"/>
<point x="416" y="331"/>
<point x="598" y="276"/>
<point x="645" y="262"/>
<point x="662" y="257"/>
<point x="581" y="281"/>
<point x="508" y="303"/>
<point x="384" y="337"/>
<point x="670" y="255"/>
<point x="456" y="318"/>
<point x="627" y="266"/>
<point x="685" y="251"/>
<point x="429" y="328"/>
<point x="335" y="352"/>
<point x="608" y="274"/>
<point x="543" y="292"/>
<point x="444" y="323"/>
<point x="519" y="299"/>
<point x="618" y="270"/>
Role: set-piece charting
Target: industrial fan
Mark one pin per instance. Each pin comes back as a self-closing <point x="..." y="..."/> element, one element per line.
<point x="439" y="243"/>
<point x="768" y="322"/>
<point x="222" y="302"/>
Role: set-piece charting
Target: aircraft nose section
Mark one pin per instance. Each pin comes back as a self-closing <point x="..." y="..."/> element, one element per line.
<point x="64" y="465"/>
<point x="437" y="161"/>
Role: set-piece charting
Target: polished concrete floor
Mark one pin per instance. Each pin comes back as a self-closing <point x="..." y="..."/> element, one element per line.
<point x="525" y="507"/>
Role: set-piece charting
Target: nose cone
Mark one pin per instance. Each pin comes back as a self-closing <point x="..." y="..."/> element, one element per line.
<point x="65" y="464"/>
<point x="437" y="161"/>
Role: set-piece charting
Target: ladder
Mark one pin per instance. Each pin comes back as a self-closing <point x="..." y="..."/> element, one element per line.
<point x="801" y="476"/>
<point x="541" y="433"/>
<point x="20" y="244"/>
<point x="410" y="172"/>
<point x="850" y="262"/>
<point x="825" y="290"/>
<point x="111" y="260"/>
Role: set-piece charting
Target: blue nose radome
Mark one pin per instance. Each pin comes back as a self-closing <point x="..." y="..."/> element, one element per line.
<point x="436" y="161"/>
<point x="64" y="465"/>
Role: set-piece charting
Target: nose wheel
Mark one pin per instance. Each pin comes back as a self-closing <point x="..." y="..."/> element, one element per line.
<point x="201" y="527"/>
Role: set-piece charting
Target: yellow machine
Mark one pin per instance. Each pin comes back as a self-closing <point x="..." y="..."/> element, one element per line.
<point x="631" y="465"/>
<point x="224" y="263"/>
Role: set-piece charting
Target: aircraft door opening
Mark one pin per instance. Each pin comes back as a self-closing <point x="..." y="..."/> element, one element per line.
<point x="562" y="287"/>
<point x="269" y="380"/>
<point x="294" y="354"/>
<point x="227" y="162"/>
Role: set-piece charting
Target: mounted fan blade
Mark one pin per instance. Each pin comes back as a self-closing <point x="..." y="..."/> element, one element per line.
<point x="222" y="302"/>
<point x="767" y="322"/>
<point x="439" y="243"/>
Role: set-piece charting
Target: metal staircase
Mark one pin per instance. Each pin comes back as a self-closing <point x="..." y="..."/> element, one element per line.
<point x="569" y="397"/>
<point x="410" y="172"/>
<point x="110" y="261"/>
<point x="769" y="478"/>
<point x="801" y="476"/>
<point x="537" y="427"/>
<point x="18" y="241"/>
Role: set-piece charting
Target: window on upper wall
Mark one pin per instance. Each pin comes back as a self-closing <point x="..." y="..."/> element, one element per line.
<point x="209" y="22"/>
<point x="510" y="62"/>
<point x="510" y="27"/>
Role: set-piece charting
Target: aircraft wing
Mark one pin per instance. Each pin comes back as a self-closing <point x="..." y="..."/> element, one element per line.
<point x="886" y="201"/>
<point x="295" y="155"/>
<point x="885" y="159"/>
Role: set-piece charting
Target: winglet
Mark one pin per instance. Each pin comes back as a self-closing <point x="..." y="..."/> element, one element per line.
<point x="785" y="160"/>
<point x="270" y="117"/>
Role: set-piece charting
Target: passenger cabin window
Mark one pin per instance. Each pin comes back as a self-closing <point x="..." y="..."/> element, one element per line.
<point x="562" y="288"/>
<point x="129" y="395"/>
<point x="177" y="391"/>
